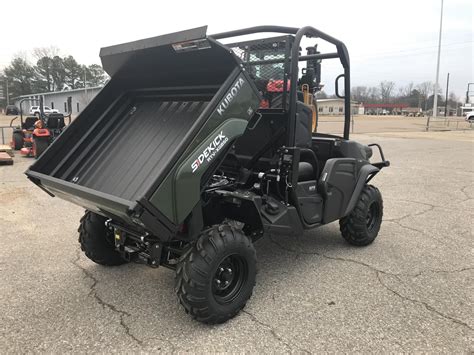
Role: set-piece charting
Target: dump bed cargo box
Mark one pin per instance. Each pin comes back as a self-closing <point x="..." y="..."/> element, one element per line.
<point x="168" y="99"/>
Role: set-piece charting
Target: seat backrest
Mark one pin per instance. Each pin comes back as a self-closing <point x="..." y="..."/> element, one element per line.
<point x="29" y="123"/>
<point x="55" y="121"/>
<point x="305" y="172"/>
<point x="304" y="117"/>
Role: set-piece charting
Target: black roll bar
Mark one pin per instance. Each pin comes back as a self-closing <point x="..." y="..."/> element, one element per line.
<point x="299" y="33"/>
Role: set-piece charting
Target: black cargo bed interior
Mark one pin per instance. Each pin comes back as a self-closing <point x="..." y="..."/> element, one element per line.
<point x="125" y="151"/>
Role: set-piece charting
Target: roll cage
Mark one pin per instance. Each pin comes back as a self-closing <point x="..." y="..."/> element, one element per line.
<point x="292" y="69"/>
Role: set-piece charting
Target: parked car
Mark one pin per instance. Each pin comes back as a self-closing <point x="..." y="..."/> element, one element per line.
<point x="35" y="110"/>
<point x="12" y="110"/>
<point x="470" y="116"/>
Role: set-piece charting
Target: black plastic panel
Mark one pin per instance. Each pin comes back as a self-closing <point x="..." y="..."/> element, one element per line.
<point x="337" y="183"/>
<point x="310" y="202"/>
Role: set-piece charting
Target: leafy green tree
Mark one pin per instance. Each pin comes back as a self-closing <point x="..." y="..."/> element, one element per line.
<point x="58" y="73"/>
<point x="44" y="71"/>
<point x="21" y="76"/>
<point x="96" y="76"/>
<point x="44" y="68"/>
<point x="73" y="72"/>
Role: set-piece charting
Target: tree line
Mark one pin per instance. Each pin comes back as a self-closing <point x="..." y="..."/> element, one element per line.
<point x="50" y="72"/>
<point x="414" y="95"/>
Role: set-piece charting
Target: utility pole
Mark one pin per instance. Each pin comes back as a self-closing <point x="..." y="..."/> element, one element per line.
<point x="6" y="89"/>
<point x="446" y="101"/>
<point x="467" y="92"/>
<point x="435" y="103"/>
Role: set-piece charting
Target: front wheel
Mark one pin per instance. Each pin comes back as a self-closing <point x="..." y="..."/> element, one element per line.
<point x="215" y="278"/>
<point x="362" y="225"/>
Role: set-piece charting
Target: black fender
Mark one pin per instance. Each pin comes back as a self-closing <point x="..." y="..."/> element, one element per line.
<point x="366" y="173"/>
<point x="242" y="206"/>
<point x="271" y="216"/>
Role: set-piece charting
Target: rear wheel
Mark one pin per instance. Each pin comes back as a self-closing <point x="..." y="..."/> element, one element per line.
<point x="17" y="140"/>
<point x="97" y="241"/>
<point x="362" y="225"/>
<point x="215" y="278"/>
<point x="39" y="146"/>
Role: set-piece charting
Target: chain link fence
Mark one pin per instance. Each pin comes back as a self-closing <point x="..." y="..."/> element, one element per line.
<point x="448" y="124"/>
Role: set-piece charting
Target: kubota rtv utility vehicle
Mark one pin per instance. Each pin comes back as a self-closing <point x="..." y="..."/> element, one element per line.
<point x="195" y="149"/>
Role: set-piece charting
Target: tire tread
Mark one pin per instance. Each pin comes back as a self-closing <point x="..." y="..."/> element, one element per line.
<point x="92" y="240"/>
<point x="353" y="227"/>
<point x="191" y="279"/>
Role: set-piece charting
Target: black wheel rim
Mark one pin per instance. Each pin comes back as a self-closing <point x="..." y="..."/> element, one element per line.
<point x="373" y="216"/>
<point x="229" y="279"/>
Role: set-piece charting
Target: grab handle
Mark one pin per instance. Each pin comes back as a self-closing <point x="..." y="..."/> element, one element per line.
<point x="337" y="86"/>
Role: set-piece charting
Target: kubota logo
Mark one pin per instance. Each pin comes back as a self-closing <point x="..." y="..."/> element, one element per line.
<point x="230" y="96"/>
<point x="210" y="151"/>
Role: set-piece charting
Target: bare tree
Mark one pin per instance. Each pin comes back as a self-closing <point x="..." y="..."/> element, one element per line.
<point x="414" y="95"/>
<point x="408" y="89"/>
<point x="45" y="67"/>
<point x="386" y="89"/>
<point x="359" y="93"/>
<point x="373" y="94"/>
<point x="49" y="52"/>
<point x="425" y="90"/>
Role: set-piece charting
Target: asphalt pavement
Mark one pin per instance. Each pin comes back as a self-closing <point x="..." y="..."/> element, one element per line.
<point x="410" y="291"/>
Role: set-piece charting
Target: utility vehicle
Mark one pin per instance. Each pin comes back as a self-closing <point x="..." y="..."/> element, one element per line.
<point x="35" y="133"/>
<point x="195" y="149"/>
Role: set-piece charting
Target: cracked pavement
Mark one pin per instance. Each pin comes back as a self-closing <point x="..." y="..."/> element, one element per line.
<point x="412" y="290"/>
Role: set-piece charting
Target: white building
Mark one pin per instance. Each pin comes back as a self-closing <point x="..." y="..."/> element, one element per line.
<point x="335" y="107"/>
<point x="58" y="99"/>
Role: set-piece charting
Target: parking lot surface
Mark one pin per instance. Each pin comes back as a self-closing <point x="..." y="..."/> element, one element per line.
<point x="412" y="290"/>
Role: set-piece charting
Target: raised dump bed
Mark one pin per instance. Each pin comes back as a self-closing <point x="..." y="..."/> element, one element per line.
<point x="166" y="95"/>
<point x="124" y="154"/>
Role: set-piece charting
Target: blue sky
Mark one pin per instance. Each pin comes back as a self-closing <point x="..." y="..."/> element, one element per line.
<point x="387" y="40"/>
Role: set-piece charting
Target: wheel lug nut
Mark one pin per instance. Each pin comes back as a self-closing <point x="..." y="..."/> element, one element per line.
<point x="229" y="270"/>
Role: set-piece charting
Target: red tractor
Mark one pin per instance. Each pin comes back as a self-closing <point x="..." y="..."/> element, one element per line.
<point x="35" y="134"/>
